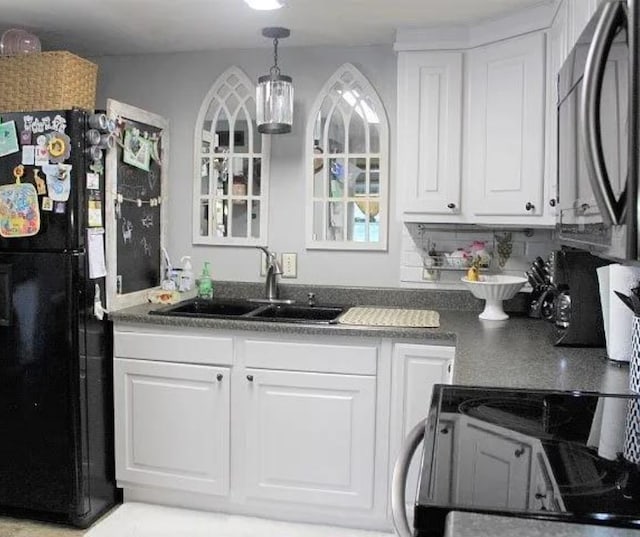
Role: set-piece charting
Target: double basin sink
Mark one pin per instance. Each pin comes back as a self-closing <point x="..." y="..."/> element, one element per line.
<point x="253" y="310"/>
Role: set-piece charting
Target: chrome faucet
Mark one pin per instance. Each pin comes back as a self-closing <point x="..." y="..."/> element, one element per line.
<point x="273" y="271"/>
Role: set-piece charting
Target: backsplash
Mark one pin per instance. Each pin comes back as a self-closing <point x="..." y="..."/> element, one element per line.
<point x="418" y="268"/>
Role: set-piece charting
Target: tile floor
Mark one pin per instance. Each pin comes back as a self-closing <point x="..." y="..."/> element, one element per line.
<point x="143" y="520"/>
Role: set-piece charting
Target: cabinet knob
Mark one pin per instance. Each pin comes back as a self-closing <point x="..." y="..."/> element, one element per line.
<point x="540" y="496"/>
<point x="552" y="202"/>
<point x="444" y="431"/>
<point x="250" y="378"/>
<point x="519" y="452"/>
<point x="529" y="206"/>
<point x="451" y="205"/>
<point x="219" y="377"/>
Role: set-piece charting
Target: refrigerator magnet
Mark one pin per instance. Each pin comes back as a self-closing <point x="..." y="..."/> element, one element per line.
<point x="58" y="147"/>
<point x="41" y="185"/>
<point x="8" y="138"/>
<point x="42" y="156"/>
<point x="93" y="181"/>
<point x="58" y="181"/>
<point x="25" y="137"/>
<point x="47" y="204"/>
<point x="28" y="155"/>
<point x="94" y="213"/>
<point x="19" y="210"/>
<point x="59" y="207"/>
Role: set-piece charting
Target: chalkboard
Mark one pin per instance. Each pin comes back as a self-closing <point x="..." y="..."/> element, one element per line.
<point x="136" y="192"/>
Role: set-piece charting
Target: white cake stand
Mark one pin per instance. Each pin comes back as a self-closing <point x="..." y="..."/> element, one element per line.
<point x="495" y="289"/>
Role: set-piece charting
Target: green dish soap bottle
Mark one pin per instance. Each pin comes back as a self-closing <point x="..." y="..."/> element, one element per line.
<point x="205" y="283"/>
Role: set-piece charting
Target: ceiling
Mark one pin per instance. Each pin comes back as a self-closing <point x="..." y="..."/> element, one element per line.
<point x="106" y="27"/>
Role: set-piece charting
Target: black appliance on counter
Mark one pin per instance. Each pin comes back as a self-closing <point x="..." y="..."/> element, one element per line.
<point x="526" y="453"/>
<point x="566" y="294"/>
<point x="56" y="381"/>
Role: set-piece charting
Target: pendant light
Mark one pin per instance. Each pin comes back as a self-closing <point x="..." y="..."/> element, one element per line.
<point x="274" y="94"/>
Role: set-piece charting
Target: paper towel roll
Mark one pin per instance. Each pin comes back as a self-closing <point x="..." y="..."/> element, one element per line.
<point x="603" y="285"/>
<point x="614" y="412"/>
<point x="621" y="279"/>
<point x="634" y="366"/>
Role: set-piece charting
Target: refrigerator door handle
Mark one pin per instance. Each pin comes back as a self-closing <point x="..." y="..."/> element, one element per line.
<point x="612" y="210"/>
<point x="6" y="294"/>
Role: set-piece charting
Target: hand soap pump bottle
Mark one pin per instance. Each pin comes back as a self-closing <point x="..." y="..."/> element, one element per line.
<point x="186" y="276"/>
<point x="205" y="284"/>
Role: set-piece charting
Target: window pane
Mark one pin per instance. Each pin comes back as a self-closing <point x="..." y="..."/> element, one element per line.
<point x="319" y="174"/>
<point x="240" y="176"/>
<point x="357" y="140"/>
<point x="255" y="219"/>
<point x="204" y="218"/>
<point x="222" y="215"/>
<point x="374" y="177"/>
<point x="204" y="174"/>
<point x="221" y="137"/>
<point x="357" y="177"/>
<point x="318" y="221"/>
<point x="239" y="219"/>
<point x="221" y="175"/>
<point x="335" y="221"/>
<point x="336" y="178"/>
<point x="256" y="180"/>
<point x="336" y="138"/>
<point x="241" y="133"/>
<point x="374" y="139"/>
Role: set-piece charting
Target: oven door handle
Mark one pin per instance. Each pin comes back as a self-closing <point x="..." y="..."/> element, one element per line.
<point x="399" y="480"/>
<point x="612" y="210"/>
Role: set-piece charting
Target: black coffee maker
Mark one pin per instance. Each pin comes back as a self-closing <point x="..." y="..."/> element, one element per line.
<point x="578" y="313"/>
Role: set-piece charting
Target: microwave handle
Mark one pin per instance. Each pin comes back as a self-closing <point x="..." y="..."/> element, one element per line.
<point x="612" y="210"/>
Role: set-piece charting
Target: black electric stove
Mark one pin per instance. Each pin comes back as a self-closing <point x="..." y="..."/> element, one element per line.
<point x="538" y="454"/>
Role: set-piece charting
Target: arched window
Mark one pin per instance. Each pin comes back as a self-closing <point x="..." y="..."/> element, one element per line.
<point x="231" y="166"/>
<point x="347" y="165"/>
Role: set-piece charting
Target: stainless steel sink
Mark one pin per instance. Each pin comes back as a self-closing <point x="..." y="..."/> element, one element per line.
<point x="251" y="310"/>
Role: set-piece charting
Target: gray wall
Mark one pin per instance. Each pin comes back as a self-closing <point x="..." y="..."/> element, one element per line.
<point x="174" y="85"/>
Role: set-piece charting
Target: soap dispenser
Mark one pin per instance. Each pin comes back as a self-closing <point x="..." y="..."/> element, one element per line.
<point x="186" y="276"/>
<point x="205" y="284"/>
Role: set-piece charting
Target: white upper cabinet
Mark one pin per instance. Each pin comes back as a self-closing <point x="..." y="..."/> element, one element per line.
<point x="430" y="132"/>
<point x="505" y="169"/>
<point x="557" y="48"/>
<point x="580" y="11"/>
<point x="231" y="163"/>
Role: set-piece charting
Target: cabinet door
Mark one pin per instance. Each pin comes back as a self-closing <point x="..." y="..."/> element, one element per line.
<point x="557" y="50"/>
<point x="310" y="438"/>
<point x="580" y="12"/>
<point x="416" y="368"/>
<point x="506" y="127"/>
<point x="429" y="132"/>
<point x="172" y="425"/>
<point x="493" y="469"/>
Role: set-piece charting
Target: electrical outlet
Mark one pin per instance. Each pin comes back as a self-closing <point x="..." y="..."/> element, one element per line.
<point x="290" y="265"/>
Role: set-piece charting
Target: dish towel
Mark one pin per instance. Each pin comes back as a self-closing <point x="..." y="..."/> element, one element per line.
<point x="370" y="316"/>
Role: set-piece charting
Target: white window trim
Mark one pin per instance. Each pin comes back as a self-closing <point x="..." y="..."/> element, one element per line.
<point x="312" y="244"/>
<point x="265" y="167"/>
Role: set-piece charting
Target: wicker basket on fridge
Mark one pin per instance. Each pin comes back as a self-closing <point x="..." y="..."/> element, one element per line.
<point x="54" y="80"/>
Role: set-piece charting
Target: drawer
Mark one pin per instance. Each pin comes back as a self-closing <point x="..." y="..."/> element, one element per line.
<point x="191" y="349"/>
<point x="303" y="356"/>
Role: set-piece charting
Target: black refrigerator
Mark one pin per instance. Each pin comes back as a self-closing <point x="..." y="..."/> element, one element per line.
<point x="56" y="389"/>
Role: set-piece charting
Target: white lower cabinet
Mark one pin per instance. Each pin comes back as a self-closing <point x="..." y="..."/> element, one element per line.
<point x="416" y="368"/>
<point x="296" y="427"/>
<point x="310" y="437"/>
<point x="172" y="426"/>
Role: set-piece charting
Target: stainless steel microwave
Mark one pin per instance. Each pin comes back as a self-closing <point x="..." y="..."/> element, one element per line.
<point x="598" y="136"/>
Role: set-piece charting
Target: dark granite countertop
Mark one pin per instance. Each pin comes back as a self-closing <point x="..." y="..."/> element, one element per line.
<point x="513" y="353"/>
<point x="461" y="524"/>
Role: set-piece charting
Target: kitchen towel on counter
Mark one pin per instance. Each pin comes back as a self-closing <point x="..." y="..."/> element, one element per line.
<point x="617" y="316"/>
<point x="370" y="316"/>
